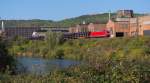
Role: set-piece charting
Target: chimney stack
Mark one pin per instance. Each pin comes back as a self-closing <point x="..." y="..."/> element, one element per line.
<point x="109" y="15"/>
<point x="3" y="29"/>
<point x="84" y="22"/>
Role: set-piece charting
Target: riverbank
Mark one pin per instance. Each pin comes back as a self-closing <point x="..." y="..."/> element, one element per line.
<point x="116" y="60"/>
<point x="83" y="74"/>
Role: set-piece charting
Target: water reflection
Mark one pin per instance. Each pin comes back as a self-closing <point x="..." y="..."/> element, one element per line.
<point x="42" y="66"/>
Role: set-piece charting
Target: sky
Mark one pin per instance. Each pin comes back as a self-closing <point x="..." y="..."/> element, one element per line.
<point x="63" y="9"/>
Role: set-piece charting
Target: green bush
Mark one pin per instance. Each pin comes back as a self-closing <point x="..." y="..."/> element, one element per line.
<point x="7" y="62"/>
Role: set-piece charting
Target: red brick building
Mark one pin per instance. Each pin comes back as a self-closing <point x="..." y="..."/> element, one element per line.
<point x="79" y="28"/>
<point x="91" y="27"/>
<point x="144" y="25"/>
<point x="124" y="25"/>
<point x="130" y="26"/>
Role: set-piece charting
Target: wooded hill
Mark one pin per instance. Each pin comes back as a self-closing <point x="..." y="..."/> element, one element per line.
<point x="97" y="18"/>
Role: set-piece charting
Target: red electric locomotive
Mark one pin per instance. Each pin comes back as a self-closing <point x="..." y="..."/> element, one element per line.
<point x="98" y="34"/>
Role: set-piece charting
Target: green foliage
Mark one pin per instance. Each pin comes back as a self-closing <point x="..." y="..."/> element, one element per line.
<point x="97" y="18"/>
<point x="6" y="60"/>
<point x="37" y="48"/>
<point x="116" y="60"/>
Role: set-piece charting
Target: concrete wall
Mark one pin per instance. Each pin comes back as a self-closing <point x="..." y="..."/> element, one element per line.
<point x="144" y="24"/>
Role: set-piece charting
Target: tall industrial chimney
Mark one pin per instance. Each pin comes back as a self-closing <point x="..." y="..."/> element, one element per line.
<point x="3" y="29"/>
<point x="84" y="22"/>
<point x="109" y="15"/>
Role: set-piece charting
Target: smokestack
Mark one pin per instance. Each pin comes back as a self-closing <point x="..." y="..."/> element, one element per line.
<point x="109" y="15"/>
<point x="83" y="22"/>
<point x="3" y="29"/>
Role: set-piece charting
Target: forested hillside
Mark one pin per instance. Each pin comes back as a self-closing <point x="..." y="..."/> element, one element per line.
<point x="98" y="18"/>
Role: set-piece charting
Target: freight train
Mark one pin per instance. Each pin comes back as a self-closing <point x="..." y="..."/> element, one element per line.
<point x="98" y="34"/>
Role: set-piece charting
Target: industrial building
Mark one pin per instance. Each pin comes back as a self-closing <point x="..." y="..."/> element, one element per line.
<point x="124" y="25"/>
<point x="127" y="25"/>
<point x="125" y="14"/>
<point x="144" y="25"/>
<point x="79" y="28"/>
<point x="89" y="27"/>
<point x="28" y="32"/>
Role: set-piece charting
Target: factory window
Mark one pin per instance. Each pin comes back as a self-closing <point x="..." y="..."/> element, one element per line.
<point x="119" y="34"/>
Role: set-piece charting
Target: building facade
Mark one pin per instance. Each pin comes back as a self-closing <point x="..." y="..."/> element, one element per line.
<point x="125" y="14"/>
<point x="28" y="32"/>
<point x="90" y="27"/>
<point x="94" y="27"/>
<point x="144" y="25"/>
<point x="124" y="25"/>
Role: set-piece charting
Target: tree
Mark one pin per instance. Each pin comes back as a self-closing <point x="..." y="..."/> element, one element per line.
<point x="6" y="61"/>
<point x="53" y="39"/>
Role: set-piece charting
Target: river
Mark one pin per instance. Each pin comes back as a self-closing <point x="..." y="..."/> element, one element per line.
<point x="41" y="66"/>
